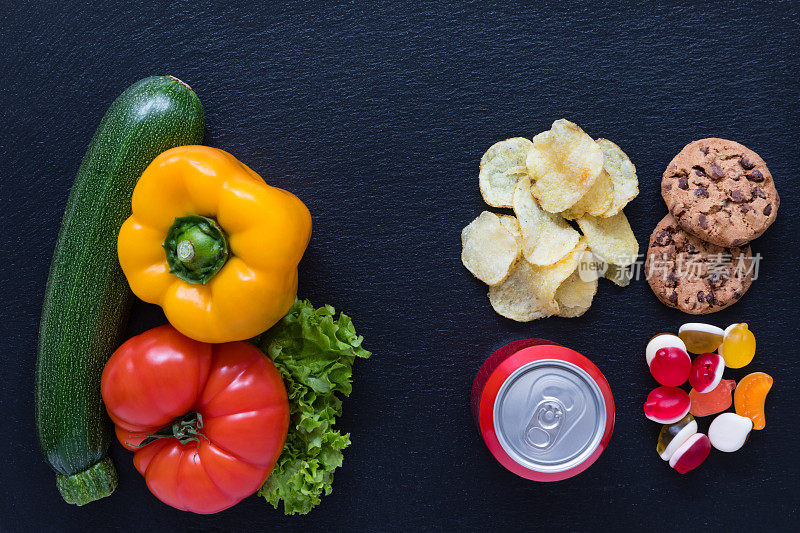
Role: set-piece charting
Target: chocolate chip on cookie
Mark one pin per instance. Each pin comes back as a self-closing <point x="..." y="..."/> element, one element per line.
<point x="692" y="275"/>
<point x="714" y="179"/>
<point x="755" y="175"/>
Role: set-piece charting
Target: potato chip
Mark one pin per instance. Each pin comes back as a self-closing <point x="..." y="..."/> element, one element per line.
<point x="619" y="275"/>
<point x="622" y="174"/>
<point x="512" y="225"/>
<point x="611" y="239"/>
<point x="549" y="278"/>
<point x="528" y="293"/>
<point x="515" y="297"/>
<point x="574" y="296"/>
<point x="488" y="250"/>
<point x="546" y="237"/>
<point x="596" y="201"/>
<point x="502" y="166"/>
<point x="538" y="138"/>
<point x="564" y="162"/>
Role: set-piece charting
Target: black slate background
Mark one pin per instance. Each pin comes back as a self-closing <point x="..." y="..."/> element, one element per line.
<point x="376" y="115"/>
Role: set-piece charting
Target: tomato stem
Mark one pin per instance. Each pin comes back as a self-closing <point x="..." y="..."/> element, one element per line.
<point x="185" y="428"/>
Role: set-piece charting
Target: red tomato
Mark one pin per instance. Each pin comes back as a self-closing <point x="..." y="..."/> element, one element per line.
<point x="221" y="411"/>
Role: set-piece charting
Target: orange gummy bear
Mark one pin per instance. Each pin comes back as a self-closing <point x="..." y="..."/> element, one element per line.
<point x="750" y="396"/>
<point x="715" y="401"/>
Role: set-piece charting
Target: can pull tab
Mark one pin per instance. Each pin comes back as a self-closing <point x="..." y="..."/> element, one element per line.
<point x="545" y="424"/>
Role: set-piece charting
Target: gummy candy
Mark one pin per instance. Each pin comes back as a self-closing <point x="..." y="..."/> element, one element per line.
<point x="750" y="396"/>
<point x="672" y="436"/>
<point x="712" y="402"/>
<point x="701" y="338"/>
<point x="670" y="366"/>
<point x="706" y="372"/>
<point x="728" y="432"/>
<point x="739" y="346"/>
<point x="691" y="453"/>
<point x="662" y="340"/>
<point x="666" y="405"/>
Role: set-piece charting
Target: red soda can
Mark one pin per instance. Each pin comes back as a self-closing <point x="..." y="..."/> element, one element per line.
<point x="545" y="412"/>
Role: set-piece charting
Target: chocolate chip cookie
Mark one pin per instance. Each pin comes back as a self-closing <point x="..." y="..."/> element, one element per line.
<point x="720" y="191"/>
<point x="692" y="275"/>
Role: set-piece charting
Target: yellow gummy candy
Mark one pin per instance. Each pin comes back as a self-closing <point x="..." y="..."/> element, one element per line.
<point x="738" y="347"/>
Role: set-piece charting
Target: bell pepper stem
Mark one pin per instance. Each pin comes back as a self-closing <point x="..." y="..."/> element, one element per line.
<point x="185" y="251"/>
<point x="196" y="248"/>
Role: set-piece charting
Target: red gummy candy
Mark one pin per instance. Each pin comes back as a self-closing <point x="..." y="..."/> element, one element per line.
<point x="706" y="372"/>
<point x="691" y="454"/>
<point x="670" y="366"/>
<point x="666" y="405"/>
<point x="716" y="401"/>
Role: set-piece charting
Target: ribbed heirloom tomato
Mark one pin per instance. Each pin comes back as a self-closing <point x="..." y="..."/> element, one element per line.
<point x="207" y="422"/>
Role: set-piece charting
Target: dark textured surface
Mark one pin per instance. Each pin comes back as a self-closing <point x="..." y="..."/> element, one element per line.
<point x="377" y="118"/>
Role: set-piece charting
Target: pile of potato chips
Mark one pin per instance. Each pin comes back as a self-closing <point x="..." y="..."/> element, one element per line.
<point x="536" y="263"/>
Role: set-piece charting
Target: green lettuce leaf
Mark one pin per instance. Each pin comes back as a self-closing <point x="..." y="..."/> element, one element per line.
<point x="315" y="354"/>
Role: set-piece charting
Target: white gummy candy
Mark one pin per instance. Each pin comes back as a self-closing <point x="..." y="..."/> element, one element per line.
<point x="728" y="432"/>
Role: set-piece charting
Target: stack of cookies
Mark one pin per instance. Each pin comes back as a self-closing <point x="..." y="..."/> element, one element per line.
<point x="721" y="196"/>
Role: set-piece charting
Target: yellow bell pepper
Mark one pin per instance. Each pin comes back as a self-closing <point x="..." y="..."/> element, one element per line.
<point x="213" y="244"/>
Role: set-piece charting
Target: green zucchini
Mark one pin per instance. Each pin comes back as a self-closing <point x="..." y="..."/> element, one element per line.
<point x="87" y="298"/>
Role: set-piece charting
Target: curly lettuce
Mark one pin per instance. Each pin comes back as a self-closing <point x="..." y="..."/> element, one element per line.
<point x="315" y="354"/>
